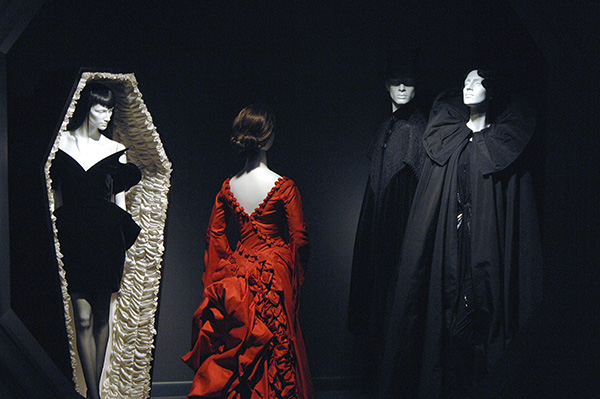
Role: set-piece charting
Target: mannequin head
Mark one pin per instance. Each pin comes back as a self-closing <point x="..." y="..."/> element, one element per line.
<point x="476" y="79"/>
<point x="253" y="129"/>
<point x="99" y="116"/>
<point x="95" y="105"/>
<point x="474" y="91"/>
<point x="400" y="75"/>
<point x="402" y="91"/>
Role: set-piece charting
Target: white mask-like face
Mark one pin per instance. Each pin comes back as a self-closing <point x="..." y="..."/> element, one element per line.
<point x="100" y="116"/>
<point x="402" y="94"/>
<point x="473" y="91"/>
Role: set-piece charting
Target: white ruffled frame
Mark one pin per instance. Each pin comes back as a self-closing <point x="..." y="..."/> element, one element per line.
<point x="129" y="357"/>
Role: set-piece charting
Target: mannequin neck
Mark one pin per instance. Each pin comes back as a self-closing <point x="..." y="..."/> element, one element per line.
<point x="87" y="131"/>
<point x="259" y="160"/>
<point x="478" y="118"/>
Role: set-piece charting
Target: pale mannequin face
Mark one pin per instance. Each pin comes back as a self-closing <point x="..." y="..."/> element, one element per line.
<point x="99" y="116"/>
<point x="401" y="94"/>
<point x="473" y="91"/>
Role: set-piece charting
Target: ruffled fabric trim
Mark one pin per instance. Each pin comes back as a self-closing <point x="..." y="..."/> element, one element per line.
<point x="270" y="308"/>
<point x="239" y="210"/>
<point x="127" y="367"/>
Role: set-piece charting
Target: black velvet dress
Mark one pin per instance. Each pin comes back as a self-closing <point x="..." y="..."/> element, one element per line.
<point x="94" y="232"/>
<point x="396" y="156"/>
<point x="471" y="267"/>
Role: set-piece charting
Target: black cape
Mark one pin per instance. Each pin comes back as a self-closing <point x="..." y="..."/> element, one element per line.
<point x="504" y="259"/>
<point x="396" y="156"/>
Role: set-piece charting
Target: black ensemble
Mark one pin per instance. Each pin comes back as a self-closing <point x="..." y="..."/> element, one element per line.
<point x="396" y="156"/>
<point x="471" y="267"/>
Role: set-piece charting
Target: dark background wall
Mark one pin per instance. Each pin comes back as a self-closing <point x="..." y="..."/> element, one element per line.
<point x="317" y="63"/>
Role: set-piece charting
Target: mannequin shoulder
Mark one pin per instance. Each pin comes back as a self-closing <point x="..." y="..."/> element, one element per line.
<point x="66" y="141"/>
<point x="112" y="145"/>
<point x="270" y="176"/>
<point x="262" y="178"/>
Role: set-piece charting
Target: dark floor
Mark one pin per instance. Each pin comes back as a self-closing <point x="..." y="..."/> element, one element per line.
<point x="178" y="390"/>
<point x="556" y="355"/>
<point x="319" y="395"/>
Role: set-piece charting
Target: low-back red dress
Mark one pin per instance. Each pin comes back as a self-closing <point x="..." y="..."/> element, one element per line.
<point x="246" y="338"/>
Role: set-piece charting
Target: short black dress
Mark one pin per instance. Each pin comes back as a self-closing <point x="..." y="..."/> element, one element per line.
<point x="94" y="232"/>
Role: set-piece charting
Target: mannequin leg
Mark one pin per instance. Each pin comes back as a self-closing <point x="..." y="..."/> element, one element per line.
<point x="101" y="330"/>
<point x="86" y="345"/>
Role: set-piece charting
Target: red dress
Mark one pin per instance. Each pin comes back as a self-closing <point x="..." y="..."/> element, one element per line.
<point x="247" y="341"/>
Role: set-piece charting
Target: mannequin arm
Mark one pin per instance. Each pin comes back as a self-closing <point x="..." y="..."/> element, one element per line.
<point x="57" y="200"/>
<point x="120" y="197"/>
<point x="120" y="200"/>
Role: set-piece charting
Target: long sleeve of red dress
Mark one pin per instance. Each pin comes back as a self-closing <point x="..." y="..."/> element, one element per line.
<point x="217" y="244"/>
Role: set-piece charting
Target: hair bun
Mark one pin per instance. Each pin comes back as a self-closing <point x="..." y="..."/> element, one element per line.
<point x="245" y="143"/>
<point x="252" y="128"/>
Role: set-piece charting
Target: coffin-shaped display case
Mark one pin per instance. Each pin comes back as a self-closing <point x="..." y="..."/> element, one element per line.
<point x="128" y="361"/>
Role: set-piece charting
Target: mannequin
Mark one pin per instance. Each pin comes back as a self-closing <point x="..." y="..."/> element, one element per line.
<point x="475" y="97"/>
<point x="471" y="266"/>
<point x="395" y="155"/>
<point x="255" y="287"/>
<point x="89" y="177"/>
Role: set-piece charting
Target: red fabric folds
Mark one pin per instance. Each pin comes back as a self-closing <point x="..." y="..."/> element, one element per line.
<point x="247" y="341"/>
<point x="230" y="341"/>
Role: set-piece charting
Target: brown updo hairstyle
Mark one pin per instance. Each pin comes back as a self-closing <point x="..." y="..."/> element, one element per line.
<point x="252" y="129"/>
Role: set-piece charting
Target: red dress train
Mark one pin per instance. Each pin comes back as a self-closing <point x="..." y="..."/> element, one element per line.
<point x="247" y="341"/>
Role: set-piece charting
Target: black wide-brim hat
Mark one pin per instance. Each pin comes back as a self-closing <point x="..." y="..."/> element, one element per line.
<point x="401" y="63"/>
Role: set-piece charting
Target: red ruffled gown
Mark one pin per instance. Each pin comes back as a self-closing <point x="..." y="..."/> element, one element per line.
<point x="246" y="337"/>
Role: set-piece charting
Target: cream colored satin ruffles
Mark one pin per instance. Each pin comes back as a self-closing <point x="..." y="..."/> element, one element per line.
<point x="128" y="365"/>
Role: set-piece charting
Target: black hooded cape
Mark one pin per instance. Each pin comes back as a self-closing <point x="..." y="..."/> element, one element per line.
<point x="396" y="155"/>
<point x="504" y="260"/>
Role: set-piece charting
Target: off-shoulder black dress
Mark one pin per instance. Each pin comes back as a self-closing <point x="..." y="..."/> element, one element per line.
<point x="94" y="232"/>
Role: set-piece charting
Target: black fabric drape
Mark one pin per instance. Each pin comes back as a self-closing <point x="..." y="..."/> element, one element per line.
<point x="396" y="156"/>
<point x="504" y="258"/>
